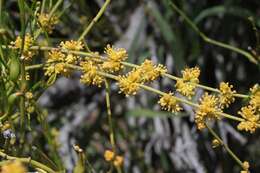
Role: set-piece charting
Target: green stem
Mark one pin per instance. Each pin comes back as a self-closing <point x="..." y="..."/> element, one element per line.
<point x="95" y="19"/>
<point x="97" y="57"/>
<point x="23" y="80"/>
<point x="209" y="40"/>
<point x="230" y="152"/>
<point x="111" y="76"/>
<point x="110" y="122"/>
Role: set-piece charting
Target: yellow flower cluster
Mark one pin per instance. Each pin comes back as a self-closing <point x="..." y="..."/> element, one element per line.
<point x="90" y="73"/>
<point x="146" y="72"/>
<point x="114" y="58"/>
<point x="110" y="156"/>
<point x="28" y="42"/>
<point x="47" y="22"/>
<point x="72" y="45"/>
<point x="150" y="71"/>
<point x="13" y="167"/>
<point x="245" y="167"/>
<point x="226" y="95"/>
<point x="185" y="85"/>
<point x="57" y="61"/>
<point x="55" y="64"/>
<point x="129" y="83"/>
<point x="251" y="112"/>
<point x="207" y="110"/>
<point x="251" y="119"/>
<point x="169" y="103"/>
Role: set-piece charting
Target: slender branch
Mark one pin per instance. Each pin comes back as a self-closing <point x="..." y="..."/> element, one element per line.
<point x="111" y="76"/>
<point x="95" y="19"/>
<point x="230" y="152"/>
<point x="111" y="131"/>
<point x="209" y="40"/>
<point x="98" y="57"/>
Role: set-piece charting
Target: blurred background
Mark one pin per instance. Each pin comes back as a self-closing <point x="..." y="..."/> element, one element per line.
<point x="153" y="141"/>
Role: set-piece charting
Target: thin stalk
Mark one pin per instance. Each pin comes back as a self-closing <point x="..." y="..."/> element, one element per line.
<point x="111" y="76"/>
<point x="91" y="55"/>
<point x="23" y="79"/>
<point x="94" y="20"/>
<point x="98" y="57"/>
<point x="230" y="152"/>
<point x="209" y="40"/>
<point x="109" y="113"/>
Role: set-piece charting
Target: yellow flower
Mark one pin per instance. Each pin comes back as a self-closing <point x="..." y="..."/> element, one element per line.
<point x="191" y="74"/>
<point x="226" y="95"/>
<point x="55" y="56"/>
<point x="251" y="119"/>
<point x="28" y="42"/>
<point x="116" y="54"/>
<point x="46" y="22"/>
<point x="71" y="59"/>
<point x="150" y="71"/>
<point x="129" y="84"/>
<point x="114" y="58"/>
<point x="56" y="63"/>
<point x="90" y="74"/>
<point x="72" y="45"/>
<point x="255" y="97"/>
<point x="13" y="167"/>
<point x="118" y="161"/>
<point x="215" y="143"/>
<point x="206" y="110"/>
<point x="109" y="155"/>
<point x="185" y="88"/>
<point x="245" y="167"/>
<point x="185" y="85"/>
<point x="112" y="66"/>
<point x="169" y="103"/>
<point x="29" y="95"/>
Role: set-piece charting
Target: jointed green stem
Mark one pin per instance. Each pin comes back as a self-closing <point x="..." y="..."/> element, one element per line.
<point x="96" y="18"/>
<point x="111" y="76"/>
<point x="230" y="152"/>
<point x="111" y="131"/>
<point x="209" y="40"/>
<point x="92" y="55"/>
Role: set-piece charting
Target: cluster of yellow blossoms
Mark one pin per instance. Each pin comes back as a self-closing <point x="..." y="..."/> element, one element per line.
<point x="251" y="112"/>
<point x="47" y="22"/>
<point x="129" y="84"/>
<point x="13" y="167"/>
<point x="91" y="74"/>
<point x="186" y="84"/>
<point x="94" y="69"/>
<point x="226" y="95"/>
<point x="169" y="103"/>
<point x="110" y="156"/>
<point x="114" y="58"/>
<point x="206" y="110"/>
<point x="57" y="61"/>
<point x="28" y="42"/>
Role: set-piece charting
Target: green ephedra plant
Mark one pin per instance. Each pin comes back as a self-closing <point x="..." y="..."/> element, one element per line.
<point x="20" y="62"/>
